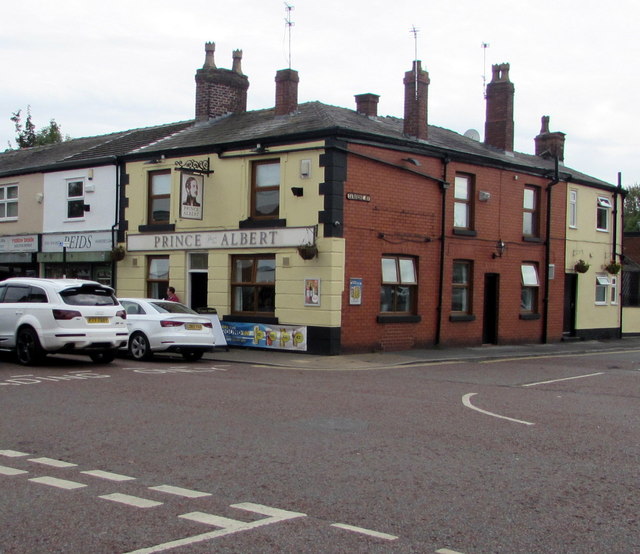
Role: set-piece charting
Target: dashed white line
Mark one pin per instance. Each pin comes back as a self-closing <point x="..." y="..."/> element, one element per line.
<point x="274" y="513"/>
<point x="12" y="453"/>
<point x="4" y="470"/>
<point x="447" y="551"/>
<point x="129" y="500"/>
<point x="178" y="491"/>
<point x="563" y="379"/>
<point x="107" y="475"/>
<point x="216" y="521"/>
<point x="467" y="403"/>
<point x="58" y="483"/>
<point x="363" y="531"/>
<point x="51" y="462"/>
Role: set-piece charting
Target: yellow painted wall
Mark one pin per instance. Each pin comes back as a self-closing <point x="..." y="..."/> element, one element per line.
<point x="226" y="202"/>
<point x="29" y="209"/>
<point x="595" y="247"/>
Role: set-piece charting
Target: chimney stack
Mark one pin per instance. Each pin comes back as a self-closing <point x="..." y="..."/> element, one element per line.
<point x="416" y="88"/>
<point x="498" y="127"/>
<point x="367" y="104"/>
<point x="220" y="91"/>
<point x="286" y="91"/>
<point x="548" y="143"/>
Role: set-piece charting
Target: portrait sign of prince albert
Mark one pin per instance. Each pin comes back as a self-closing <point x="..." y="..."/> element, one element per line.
<point x="191" y="196"/>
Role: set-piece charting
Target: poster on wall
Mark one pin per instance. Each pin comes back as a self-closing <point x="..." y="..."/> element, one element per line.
<point x="312" y="292"/>
<point x="259" y="335"/>
<point x="355" y="291"/>
<point x="191" y="196"/>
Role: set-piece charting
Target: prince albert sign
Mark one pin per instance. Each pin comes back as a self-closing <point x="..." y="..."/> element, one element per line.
<point x="191" y="196"/>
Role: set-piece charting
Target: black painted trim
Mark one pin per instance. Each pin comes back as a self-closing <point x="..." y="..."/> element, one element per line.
<point x="529" y="316"/>
<point x="157" y="228"/>
<point x="251" y="223"/>
<point x="465" y="232"/>
<point x="251" y="319"/>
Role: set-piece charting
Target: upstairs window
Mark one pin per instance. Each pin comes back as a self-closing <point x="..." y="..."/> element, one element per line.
<point x="159" y="197"/>
<point x="265" y="189"/>
<point x="530" y="212"/>
<point x="573" y="208"/>
<point x="399" y="285"/>
<point x="75" y="199"/>
<point x="8" y="202"/>
<point x="602" y="213"/>
<point x="530" y="286"/>
<point x="462" y="208"/>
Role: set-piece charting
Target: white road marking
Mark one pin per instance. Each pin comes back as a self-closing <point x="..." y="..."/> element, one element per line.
<point x="543" y="356"/>
<point x="178" y="491"/>
<point x="278" y="515"/>
<point x="467" y="403"/>
<point x="216" y="521"/>
<point x="134" y="501"/>
<point x="12" y="453"/>
<point x="58" y="483"/>
<point x="447" y="551"/>
<point x="363" y="531"/>
<point x="4" y="470"/>
<point x="51" y="462"/>
<point x="563" y="379"/>
<point x="107" y="475"/>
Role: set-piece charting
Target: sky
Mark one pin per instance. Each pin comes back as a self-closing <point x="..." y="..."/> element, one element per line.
<point x="111" y="65"/>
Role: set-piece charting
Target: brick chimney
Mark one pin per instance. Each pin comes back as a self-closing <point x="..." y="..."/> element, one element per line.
<point x="367" y="104"/>
<point x="416" y="88"/>
<point x="548" y="143"/>
<point x="286" y="91"/>
<point x="220" y="91"/>
<point x="498" y="126"/>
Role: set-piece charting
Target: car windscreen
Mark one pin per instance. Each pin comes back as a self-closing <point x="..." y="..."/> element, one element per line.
<point x="88" y="295"/>
<point x="172" y="308"/>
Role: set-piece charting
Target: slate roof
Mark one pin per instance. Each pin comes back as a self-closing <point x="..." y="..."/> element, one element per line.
<point x="315" y="119"/>
<point x="82" y="151"/>
<point x="311" y="120"/>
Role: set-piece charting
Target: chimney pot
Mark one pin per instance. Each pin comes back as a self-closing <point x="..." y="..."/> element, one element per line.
<point x="367" y="104"/>
<point x="209" y="48"/>
<point x="237" y="61"/>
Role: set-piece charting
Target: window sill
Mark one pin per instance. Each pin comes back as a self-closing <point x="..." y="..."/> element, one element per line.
<point x="532" y="239"/>
<point x="156" y="228"/>
<point x="251" y="319"/>
<point x="529" y="317"/>
<point x="465" y="232"/>
<point x="252" y="223"/>
<point x="399" y="319"/>
<point x="461" y="317"/>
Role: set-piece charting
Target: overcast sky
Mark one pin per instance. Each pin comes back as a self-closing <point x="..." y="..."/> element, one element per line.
<point x="111" y="65"/>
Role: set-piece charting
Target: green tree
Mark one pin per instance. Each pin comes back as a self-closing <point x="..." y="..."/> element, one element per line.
<point x="632" y="208"/>
<point x="27" y="135"/>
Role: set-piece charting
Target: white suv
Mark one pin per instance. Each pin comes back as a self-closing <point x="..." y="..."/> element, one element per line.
<point x="44" y="316"/>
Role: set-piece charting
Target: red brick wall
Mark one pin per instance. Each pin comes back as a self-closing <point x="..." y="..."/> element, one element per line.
<point x="404" y="218"/>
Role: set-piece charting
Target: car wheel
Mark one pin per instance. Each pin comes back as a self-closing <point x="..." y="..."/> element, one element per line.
<point x="103" y="357"/>
<point x="28" y="349"/>
<point x="192" y="356"/>
<point x="139" y="348"/>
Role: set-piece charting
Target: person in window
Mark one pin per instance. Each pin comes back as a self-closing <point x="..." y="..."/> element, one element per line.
<point x="191" y="188"/>
<point x="171" y="295"/>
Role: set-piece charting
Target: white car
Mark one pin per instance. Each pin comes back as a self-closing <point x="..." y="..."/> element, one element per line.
<point x="165" y="326"/>
<point x="45" y="316"/>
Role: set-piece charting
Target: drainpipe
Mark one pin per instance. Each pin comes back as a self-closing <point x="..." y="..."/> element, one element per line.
<point x="547" y="253"/>
<point x="444" y="185"/>
<point x="116" y="220"/>
<point x="614" y="249"/>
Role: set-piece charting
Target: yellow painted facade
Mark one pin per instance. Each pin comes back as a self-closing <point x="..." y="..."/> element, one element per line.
<point x="585" y="241"/>
<point x="226" y="202"/>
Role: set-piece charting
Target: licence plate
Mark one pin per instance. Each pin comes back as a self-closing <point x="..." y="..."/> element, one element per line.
<point x="193" y="326"/>
<point x="97" y="320"/>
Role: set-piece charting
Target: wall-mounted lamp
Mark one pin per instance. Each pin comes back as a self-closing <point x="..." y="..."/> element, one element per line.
<point x="259" y="149"/>
<point x="411" y="161"/>
<point x="500" y="248"/>
<point x="155" y="160"/>
<point x="297" y="191"/>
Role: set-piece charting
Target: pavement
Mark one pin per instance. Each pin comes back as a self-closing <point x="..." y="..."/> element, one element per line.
<point x="436" y="354"/>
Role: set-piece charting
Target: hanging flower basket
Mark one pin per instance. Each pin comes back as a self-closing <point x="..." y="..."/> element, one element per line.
<point x="308" y="251"/>
<point x="581" y="266"/>
<point x="117" y="253"/>
<point x="613" y="268"/>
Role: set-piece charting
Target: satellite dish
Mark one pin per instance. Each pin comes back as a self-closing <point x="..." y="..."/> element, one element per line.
<point x="472" y="134"/>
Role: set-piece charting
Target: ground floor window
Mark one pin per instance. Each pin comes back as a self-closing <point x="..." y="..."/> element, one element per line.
<point x="399" y="285"/>
<point x="253" y="285"/>
<point x="157" y="276"/>
<point x="530" y="286"/>
<point x="602" y="288"/>
<point x="461" y="283"/>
